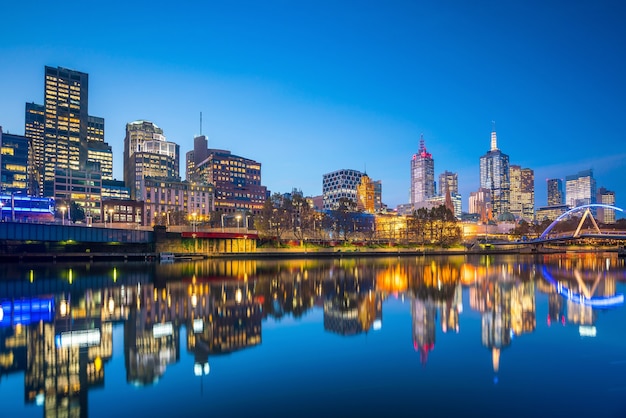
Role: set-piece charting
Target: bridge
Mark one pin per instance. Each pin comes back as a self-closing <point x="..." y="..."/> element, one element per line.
<point x="548" y="236"/>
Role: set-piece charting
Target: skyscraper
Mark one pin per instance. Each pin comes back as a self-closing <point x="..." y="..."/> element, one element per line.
<point x="555" y="192"/>
<point x="607" y="197"/>
<point x="147" y="153"/>
<point x="97" y="150"/>
<point x="236" y="181"/>
<point x="580" y="189"/>
<point x="448" y="182"/>
<point x="422" y="175"/>
<point x="33" y="130"/>
<point x="522" y="192"/>
<point x="60" y="132"/>
<point x="65" y="130"/>
<point x="494" y="176"/>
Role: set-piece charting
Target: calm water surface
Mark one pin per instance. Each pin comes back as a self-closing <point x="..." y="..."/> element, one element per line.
<point x="395" y="337"/>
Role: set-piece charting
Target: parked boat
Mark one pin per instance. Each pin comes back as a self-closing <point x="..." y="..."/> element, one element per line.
<point x="166" y="257"/>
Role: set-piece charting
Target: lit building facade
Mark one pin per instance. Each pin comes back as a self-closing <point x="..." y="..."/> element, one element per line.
<point x="555" y="192"/>
<point x="120" y="211"/>
<point x="236" y="181"/>
<point x="494" y="176"/>
<point x="195" y="157"/>
<point x="33" y="130"/>
<point x="83" y="187"/>
<point x="580" y="189"/>
<point x="606" y="197"/>
<point x="422" y="175"/>
<point x="480" y="204"/>
<point x="171" y="202"/>
<point x="60" y="131"/>
<point x="98" y="150"/>
<point x="13" y="163"/>
<point x="448" y="182"/>
<point x="65" y="130"/>
<point x="550" y="213"/>
<point x="340" y="184"/>
<point x="148" y="154"/>
<point x="365" y="195"/>
<point x="522" y="195"/>
<point x="115" y="189"/>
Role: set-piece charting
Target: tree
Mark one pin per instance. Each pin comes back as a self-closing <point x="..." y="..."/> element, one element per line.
<point x="77" y="212"/>
<point x="274" y="219"/>
<point x="343" y="219"/>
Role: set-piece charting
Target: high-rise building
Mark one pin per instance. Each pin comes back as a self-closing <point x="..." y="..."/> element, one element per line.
<point x="147" y="153"/>
<point x="13" y="163"/>
<point x="60" y="132"/>
<point x="448" y="182"/>
<point x="480" y="204"/>
<point x="340" y="184"/>
<point x="33" y="130"/>
<point x="494" y="176"/>
<point x="449" y="187"/>
<point x="555" y="192"/>
<point x="97" y="150"/>
<point x="65" y="131"/>
<point x="522" y="192"/>
<point x="197" y="155"/>
<point x="236" y="181"/>
<point x="422" y="175"/>
<point x="580" y="189"/>
<point x="606" y="197"/>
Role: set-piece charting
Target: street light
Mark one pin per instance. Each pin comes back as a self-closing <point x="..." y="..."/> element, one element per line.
<point x="238" y="219"/>
<point x="63" y="209"/>
<point x="223" y="214"/>
<point x="111" y="218"/>
<point x="194" y="226"/>
<point x="248" y="222"/>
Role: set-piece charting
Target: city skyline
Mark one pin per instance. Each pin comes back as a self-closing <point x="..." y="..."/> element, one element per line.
<point x="312" y="88"/>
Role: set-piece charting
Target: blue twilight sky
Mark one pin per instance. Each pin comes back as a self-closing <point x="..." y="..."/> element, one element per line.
<point x="310" y="87"/>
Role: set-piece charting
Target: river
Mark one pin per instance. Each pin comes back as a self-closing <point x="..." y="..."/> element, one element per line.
<point x="430" y="336"/>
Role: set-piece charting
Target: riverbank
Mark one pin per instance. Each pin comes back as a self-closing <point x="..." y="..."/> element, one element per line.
<point x="297" y="252"/>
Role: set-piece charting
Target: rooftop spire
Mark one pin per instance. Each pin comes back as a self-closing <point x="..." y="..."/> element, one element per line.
<point x="494" y="138"/>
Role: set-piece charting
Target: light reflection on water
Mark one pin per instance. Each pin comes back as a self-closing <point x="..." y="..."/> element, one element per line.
<point x="400" y="336"/>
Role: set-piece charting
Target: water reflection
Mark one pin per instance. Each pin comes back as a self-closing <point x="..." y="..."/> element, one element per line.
<point x="56" y="321"/>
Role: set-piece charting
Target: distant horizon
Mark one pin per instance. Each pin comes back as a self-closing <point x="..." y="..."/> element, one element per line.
<point x="310" y="88"/>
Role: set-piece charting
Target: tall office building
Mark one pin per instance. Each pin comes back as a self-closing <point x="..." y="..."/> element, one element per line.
<point x="480" y="204"/>
<point x="606" y="197"/>
<point x="580" y="189"/>
<point x="340" y="184"/>
<point x="33" y="130"/>
<point x="522" y="192"/>
<point x="99" y="151"/>
<point x="147" y="153"/>
<point x="448" y="182"/>
<point x="555" y="192"/>
<point x="494" y="176"/>
<point x="422" y="175"/>
<point x="236" y="180"/>
<point x="13" y="163"/>
<point x="63" y="144"/>
<point x="197" y="155"/>
<point x="65" y="130"/>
